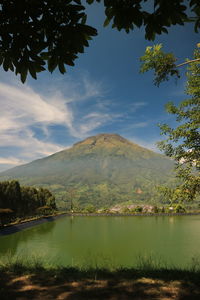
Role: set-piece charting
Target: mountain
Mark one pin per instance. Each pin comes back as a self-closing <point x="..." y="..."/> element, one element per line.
<point x="102" y="169"/>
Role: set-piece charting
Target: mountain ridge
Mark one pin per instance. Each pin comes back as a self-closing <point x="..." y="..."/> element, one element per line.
<point x="102" y="166"/>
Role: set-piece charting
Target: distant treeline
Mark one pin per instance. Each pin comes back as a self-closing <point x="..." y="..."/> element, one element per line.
<point x="22" y="201"/>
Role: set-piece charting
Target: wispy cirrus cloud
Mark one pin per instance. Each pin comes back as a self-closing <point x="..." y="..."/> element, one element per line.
<point x="137" y="105"/>
<point x="28" y="116"/>
<point x="36" y="122"/>
<point x="11" y="161"/>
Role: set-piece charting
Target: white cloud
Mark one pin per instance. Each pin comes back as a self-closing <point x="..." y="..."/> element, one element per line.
<point x="28" y="118"/>
<point x="11" y="161"/>
<point x="140" y="125"/>
<point x="23" y="107"/>
<point x="136" y="105"/>
<point x="21" y="110"/>
<point x="92" y="121"/>
<point x="80" y="89"/>
<point x="25" y="111"/>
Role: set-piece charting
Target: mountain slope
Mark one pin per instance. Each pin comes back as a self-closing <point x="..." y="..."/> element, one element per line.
<point x="105" y="159"/>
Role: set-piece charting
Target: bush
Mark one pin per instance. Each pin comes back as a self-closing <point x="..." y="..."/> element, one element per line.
<point x="44" y="210"/>
<point x="155" y="209"/>
<point x="89" y="208"/>
<point x="125" y="210"/>
<point x="179" y="208"/>
<point x="6" y="215"/>
<point x="162" y="209"/>
<point x="138" y="209"/>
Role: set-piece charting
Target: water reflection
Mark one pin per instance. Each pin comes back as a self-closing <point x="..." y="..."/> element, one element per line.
<point x="103" y="240"/>
<point x="10" y="243"/>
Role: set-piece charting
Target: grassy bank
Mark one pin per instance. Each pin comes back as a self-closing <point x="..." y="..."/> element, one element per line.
<point x="33" y="278"/>
<point x="21" y="220"/>
<point x="34" y="281"/>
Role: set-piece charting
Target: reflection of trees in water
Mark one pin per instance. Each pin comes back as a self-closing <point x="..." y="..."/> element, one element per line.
<point x="10" y="243"/>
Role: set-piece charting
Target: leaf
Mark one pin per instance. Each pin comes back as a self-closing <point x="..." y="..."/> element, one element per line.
<point x="24" y="75"/>
<point x="106" y="22"/>
<point x="52" y="63"/>
<point x="84" y="19"/>
<point x="1" y="60"/>
<point x="90" y="1"/>
<point x="6" y="63"/>
<point x="164" y="30"/>
<point x="44" y="55"/>
<point x="69" y="62"/>
<point x="32" y="70"/>
<point x="11" y="67"/>
<point x="61" y="67"/>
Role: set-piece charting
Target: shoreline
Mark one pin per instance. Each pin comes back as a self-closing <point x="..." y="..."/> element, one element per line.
<point x="131" y="214"/>
<point x="16" y="227"/>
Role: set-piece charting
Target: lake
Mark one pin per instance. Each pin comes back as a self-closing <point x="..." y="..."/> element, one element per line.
<point x="108" y="241"/>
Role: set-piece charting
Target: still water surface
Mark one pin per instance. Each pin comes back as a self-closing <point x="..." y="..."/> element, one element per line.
<point x="108" y="241"/>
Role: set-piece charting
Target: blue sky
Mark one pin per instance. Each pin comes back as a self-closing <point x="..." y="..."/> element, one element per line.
<point x="103" y="93"/>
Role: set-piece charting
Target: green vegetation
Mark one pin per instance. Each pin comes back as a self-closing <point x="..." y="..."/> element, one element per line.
<point x="183" y="142"/>
<point x="17" y="201"/>
<point x="102" y="171"/>
<point x="34" y="34"/>
<point x="21" y="264"/>
<point x="148" y="280"/>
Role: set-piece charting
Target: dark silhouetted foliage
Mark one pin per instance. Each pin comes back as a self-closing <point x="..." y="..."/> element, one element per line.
<point x="36" y="33"/>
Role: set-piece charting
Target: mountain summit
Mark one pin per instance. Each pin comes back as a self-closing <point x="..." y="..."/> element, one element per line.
<point x="106" y="144"/>
<point x="105" y="166"/>
<point x="104" y="139"/>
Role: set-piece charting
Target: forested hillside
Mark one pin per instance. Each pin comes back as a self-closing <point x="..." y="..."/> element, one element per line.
<point x="101" y="170"/>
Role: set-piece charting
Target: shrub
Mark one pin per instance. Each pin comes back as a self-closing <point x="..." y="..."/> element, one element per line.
<point x="6" y="215"/>
<point x="125" y="210"/>
<point x="179" y="208"/>
<point x="138" y="209"/>
<point x="44" y="210"/>
<point x="155" y="209"/>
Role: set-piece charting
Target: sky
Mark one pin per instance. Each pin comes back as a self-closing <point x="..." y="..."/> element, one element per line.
<point x="103" y="93"/>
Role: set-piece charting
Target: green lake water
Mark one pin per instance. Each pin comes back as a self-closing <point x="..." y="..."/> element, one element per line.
<point x="108" y="241"/>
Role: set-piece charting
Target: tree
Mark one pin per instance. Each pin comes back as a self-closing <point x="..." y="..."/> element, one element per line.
<point x="46" y="33"/>
<point x="5" y="216"/>
<point x="183" y="142"/>
<point x="23" y="200"/>
<point x="71" y="196"/>
<point x="163" y="64"/>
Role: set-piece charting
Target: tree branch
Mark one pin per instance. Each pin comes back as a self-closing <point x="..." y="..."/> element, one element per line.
<point x="188" y="62"/>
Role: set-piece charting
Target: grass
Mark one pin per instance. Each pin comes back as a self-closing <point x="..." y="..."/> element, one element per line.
<point x="149" y="279"/>
<point x="20" y="220"/>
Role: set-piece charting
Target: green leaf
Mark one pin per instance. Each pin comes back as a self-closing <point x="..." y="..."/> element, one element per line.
<point x="90" y="1"/>
<point x="84" y="19"/>
<point x="106" y="22"/>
